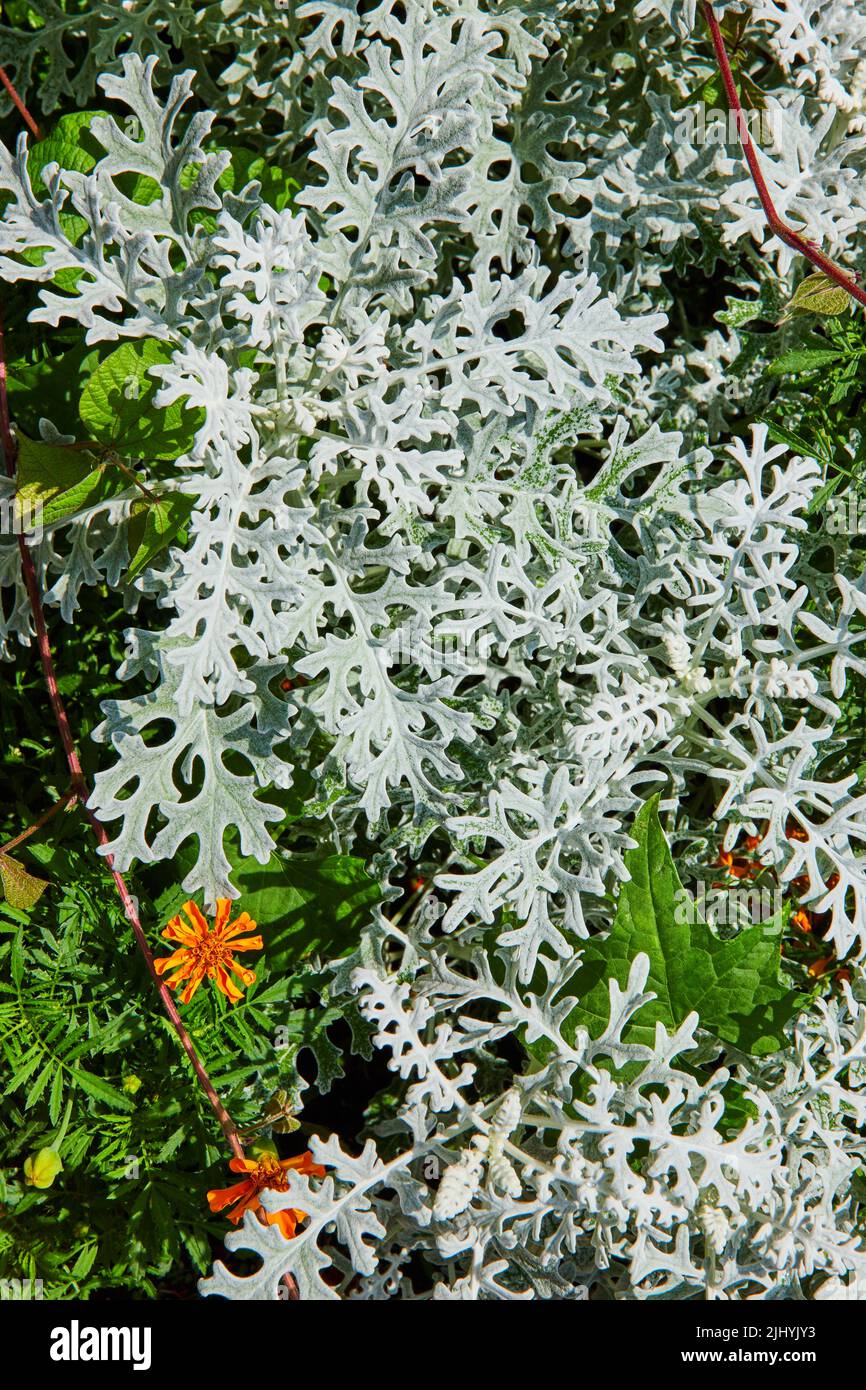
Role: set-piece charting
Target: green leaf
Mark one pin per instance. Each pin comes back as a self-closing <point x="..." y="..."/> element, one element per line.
<point x="733" y="985"/>
<point x="277" y="187"/>
<point x="71" y="146"/>
<point x="26" y="1067"/>
<point x="56" y="1098"/>
<point x="50" y="386"/>
<point x="163" y="520"/>
<point x="806" y="360"/>
<point x="85" y="1261"/>
<point x="817" y="294"/>
<point x="16" y="963"/>
<point x="738" y="312"/>
<point x="39" y="1085"/>
<point x="117" y="405"/>
<point x="55" y="481"/>
<point x="20" y="888"/>
<point x="780" y="435"/>
<point x="751" y="95"/>
<point x="317" y="903"/>
<point x="824" y="493"/>
<point x="710" y="93"/>
<point x="100" y="1089"/>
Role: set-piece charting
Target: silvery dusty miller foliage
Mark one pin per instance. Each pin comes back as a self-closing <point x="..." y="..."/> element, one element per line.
<point x="504" y="654"/>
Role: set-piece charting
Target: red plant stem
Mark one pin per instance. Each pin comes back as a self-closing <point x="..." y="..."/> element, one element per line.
<point x="22" y="109"/>
<point x="38" y="824"/>
<point x="80" y="789"/>
<point x="775" y="223"/>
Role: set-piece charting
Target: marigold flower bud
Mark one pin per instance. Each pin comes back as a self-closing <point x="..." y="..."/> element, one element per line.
<point x="41" y="1168"/>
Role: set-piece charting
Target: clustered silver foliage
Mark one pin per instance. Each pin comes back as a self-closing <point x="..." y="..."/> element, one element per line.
<point x="503" y="650"/>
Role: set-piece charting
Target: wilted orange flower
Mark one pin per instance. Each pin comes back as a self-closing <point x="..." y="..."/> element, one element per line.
<point x="205" y="953"/>
<point x="265" y="1171"/>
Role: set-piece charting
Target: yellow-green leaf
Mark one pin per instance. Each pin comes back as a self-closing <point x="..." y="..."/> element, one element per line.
<point x="55" y="481"/>
<point x="21" y="889"/>
<point x="817" y="294"/>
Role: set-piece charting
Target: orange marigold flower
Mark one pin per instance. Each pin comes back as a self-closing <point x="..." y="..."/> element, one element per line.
<point x="820" y="967"/>
<point x="793" y="831"/>
<point x="265" y="1171"/>
<point x="205" y="953"/>
<point x="802" y="919"/>
<point x="736" y="866"/>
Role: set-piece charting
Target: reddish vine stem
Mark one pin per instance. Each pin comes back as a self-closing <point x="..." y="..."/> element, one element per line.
<point x="778" y="227"/>
<point x="20" y="107"/>
<point x="46" y="816"/>
<point x="79" y="787"/>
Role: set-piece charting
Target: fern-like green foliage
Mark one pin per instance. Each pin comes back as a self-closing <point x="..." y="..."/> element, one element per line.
<point x="443" y="496"/>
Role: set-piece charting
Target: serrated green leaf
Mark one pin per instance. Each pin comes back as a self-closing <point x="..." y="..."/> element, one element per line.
<point x="806" y="360"/>
<point x="100" y="1089"/>
<point x="25" y="1069"/>
<point x="198" y="1248"/>
<point x="39" y="1085"/>
<point x="55" y="1100"/>
<point x="781" y="435"/>
<point x="117" y="405"/>
<point x="824" y="493"/>
<point x="734" y="986"/>
<point x="13" y="914"/>
<point x="16" y="962"/>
